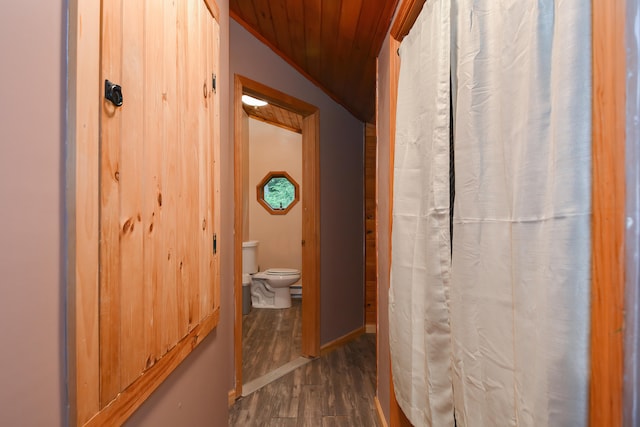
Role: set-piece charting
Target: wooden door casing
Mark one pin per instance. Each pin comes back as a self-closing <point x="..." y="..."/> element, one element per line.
<point x="310" y="216"/>
<point x="371" y="263"/>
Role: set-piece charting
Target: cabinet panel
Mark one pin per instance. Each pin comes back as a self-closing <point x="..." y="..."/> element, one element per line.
<point x="158" y="216"/>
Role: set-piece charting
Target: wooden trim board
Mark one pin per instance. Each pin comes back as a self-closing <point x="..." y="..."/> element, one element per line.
<point x="311" y="235"/>
<point x="237" y="232"/>
<point x="608" y="198"/>
<point x="117" y="412"/>
<point x="338" y="342"/>
<point x="231" y="397"/>
<point x="83" y="209"/>
<point x="406" y="17"/>
<point x="370" y="219"/>
<point x="381" y="419"/>
<point x="377" y="226"/>
<point x="310" y="215"/>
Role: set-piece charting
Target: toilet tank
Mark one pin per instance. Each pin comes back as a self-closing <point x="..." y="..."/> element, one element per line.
<point x="250" y="257"/>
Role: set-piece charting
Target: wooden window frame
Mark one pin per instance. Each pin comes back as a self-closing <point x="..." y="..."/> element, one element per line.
<point x="265" y="204"/>
<point x="82" y="165"/>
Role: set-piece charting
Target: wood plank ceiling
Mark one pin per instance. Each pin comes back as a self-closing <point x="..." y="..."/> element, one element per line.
<point x="277" y="116"/>
<point x="334" y="43"/>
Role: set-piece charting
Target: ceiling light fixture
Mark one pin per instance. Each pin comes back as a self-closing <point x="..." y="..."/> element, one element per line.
<point x="254" y="102"/>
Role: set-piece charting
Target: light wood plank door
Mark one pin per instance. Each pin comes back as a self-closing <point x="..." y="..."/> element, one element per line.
<point x="159" y="189"/>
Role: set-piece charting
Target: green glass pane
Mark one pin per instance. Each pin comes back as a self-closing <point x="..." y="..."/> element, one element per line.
<point x="279" y="193"/>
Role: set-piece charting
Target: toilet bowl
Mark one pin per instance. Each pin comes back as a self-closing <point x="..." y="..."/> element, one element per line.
<point x="270" y="288"/>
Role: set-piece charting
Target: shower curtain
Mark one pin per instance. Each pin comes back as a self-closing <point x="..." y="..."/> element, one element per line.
<point x="419" y="333"/>
<point x="521" y="248"/>
<point x="513" y="298"/>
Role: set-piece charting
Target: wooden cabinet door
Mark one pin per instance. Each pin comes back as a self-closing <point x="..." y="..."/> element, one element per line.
<point x="158" y="185"/>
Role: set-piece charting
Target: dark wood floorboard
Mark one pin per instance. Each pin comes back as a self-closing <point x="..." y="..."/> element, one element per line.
<point x="270" y="338"/>
<point x="334" y="390"/>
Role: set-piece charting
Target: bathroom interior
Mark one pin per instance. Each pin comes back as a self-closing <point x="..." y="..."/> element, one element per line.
<point x="272" y="235"/>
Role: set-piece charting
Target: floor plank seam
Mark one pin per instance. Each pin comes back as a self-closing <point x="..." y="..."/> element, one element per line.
<point x="258" y="383"/>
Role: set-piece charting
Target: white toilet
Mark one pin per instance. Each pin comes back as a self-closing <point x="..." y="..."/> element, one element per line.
<point x="270" y="288"/>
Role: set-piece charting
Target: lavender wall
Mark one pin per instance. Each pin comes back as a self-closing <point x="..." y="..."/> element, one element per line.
<point x="32" y="255"/>
<point x="32" y="106"/>
<point x="384" y="221"/>
<point x="341" y="183"/>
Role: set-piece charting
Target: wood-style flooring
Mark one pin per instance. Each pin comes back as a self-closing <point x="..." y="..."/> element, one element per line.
<point x="336" y="389"/>
<point x="270" y="339"/>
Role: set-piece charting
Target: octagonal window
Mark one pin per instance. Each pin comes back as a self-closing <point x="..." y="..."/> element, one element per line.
<point x="278" y="192"/>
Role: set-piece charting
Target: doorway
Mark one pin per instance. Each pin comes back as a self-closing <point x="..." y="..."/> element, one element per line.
<point x="310" y="215"/>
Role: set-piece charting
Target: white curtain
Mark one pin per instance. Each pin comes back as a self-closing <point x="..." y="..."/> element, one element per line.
<point x="420" y="339"/>
<point x="521" y="232"/>
<point x="504" y="321"/>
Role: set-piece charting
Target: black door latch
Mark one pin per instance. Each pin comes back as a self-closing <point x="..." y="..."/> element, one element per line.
<point x="113" y="93"/>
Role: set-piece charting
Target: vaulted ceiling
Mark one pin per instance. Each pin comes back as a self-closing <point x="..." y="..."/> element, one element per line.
<point x="334" y="43"/>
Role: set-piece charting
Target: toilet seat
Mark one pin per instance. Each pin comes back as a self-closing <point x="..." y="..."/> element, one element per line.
<point x="282" y="272"/>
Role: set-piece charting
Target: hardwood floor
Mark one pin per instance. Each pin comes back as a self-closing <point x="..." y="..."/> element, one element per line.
<point x="336" y="389"/>
<point x="270" y="339"/>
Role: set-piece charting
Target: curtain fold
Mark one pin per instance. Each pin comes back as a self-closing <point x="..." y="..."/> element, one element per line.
<point x="520" y="275"/>
<point x="420" y="340"/>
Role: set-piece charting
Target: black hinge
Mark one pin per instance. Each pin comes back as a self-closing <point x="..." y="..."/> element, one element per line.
<point x="213" y="82"/>
<point x="215" y="243"/>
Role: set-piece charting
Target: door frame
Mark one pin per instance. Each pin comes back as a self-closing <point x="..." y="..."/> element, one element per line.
<point x="310" y="215"/>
